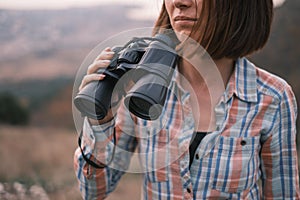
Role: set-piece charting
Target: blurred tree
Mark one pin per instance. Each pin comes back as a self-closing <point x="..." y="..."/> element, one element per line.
<point x="12" y="111"/>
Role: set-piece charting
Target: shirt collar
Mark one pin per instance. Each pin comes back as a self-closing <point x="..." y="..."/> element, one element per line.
<point x="175" y="85"/>
<point x="242" y="83"/>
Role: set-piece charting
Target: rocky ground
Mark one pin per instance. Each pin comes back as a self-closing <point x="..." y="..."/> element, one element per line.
<point x="18" y="191"/>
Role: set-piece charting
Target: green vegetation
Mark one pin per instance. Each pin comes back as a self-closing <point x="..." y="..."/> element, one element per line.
<point x="12" y="111"/>
<point x="28" y="102"/>
<point x="35" y="92"/>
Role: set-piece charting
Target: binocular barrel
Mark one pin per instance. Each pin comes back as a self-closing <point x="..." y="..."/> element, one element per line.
<point x="94" y="100"/>
<point x="153" y="75"/>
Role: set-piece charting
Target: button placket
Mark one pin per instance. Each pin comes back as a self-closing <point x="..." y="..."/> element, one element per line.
<point x="188" y="194"/>
<point x="184" y="163"/>
<point x="222" y="111"/>
<point x="186" y="177"/>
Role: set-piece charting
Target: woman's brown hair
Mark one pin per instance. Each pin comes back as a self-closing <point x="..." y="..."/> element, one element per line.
<point x="229" y="28"/>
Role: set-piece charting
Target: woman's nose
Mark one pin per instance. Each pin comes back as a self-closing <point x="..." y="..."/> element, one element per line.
<point x="182" y="3"/>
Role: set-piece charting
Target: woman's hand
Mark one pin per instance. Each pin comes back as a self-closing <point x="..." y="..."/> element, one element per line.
<point x="101" y="62"/>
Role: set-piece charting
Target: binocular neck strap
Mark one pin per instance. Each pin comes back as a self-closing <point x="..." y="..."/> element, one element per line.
<point x="92" y="163"/>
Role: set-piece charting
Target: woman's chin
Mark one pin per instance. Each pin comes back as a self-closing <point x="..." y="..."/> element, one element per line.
<point x="182" y="35"/>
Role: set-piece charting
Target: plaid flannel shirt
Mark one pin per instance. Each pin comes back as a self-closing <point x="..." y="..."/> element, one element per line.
<point x="251" y="154"/>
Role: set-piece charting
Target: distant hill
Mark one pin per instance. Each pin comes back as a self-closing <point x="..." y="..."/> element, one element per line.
<point x="45" y="31"/>
<point x="49" y="43"/>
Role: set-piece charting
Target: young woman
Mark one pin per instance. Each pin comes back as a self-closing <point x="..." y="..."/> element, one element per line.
<point x="239" y="143"/>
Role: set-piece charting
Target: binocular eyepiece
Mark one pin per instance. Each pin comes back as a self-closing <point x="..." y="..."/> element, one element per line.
<point x="152" y="64"/>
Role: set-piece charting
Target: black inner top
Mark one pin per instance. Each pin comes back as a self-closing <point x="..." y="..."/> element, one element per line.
<point x="197" y="138"/>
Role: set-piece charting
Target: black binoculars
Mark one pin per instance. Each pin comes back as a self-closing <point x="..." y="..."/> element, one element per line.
<point x="152" y="61"/>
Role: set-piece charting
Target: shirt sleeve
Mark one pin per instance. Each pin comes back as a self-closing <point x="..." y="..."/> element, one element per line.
<point x="98" y="145"/>
<point x="279" y="164"/>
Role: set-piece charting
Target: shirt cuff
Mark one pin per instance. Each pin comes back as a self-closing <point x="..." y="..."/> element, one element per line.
<point x="99" y="133"/>
<point x="98" y="140"/>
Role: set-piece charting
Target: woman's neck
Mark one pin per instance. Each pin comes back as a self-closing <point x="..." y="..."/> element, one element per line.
<point x="196" y="75"/>
<point x="206" y="84"/>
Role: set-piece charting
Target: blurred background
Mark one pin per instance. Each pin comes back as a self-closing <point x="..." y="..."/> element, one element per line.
<point x="42" y="45"/>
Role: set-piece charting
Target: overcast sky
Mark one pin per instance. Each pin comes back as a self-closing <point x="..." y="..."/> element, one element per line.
<point x="149" y="10"/>
<point x="29" y="4"/>
<point x="35" y="4"/>
<point x="150" y="7"/>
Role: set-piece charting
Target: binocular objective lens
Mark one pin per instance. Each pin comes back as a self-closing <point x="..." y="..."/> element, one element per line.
<point x="140" y="104"/>
<point x="144" y="109"/>
<point x="91" y="109"/>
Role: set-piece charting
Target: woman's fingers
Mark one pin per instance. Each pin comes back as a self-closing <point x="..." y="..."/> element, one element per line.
<point x="102" y="61"/>
<point x="89" y="78"/>
<point x="106" y="54"/>
<point x="95" y="66"/>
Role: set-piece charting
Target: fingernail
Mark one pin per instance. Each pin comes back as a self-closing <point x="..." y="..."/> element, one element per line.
<point x="110" y="52"/>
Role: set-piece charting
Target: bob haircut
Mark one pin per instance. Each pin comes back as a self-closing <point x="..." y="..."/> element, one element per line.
<point x="228" y="28"/>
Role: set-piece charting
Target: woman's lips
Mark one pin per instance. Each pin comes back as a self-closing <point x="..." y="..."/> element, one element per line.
<point x="184" y="18"/>
<point x="184" y="21"/>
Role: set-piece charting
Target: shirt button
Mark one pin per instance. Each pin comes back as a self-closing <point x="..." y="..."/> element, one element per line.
<point x="197" y="156"/>
<point x="186" y="177"/>
<point x="182" y="165"/>
<point x="243" y="142"/>
<point x="188" y="190"/>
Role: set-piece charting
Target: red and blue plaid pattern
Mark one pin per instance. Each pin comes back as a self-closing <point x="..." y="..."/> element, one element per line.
<point x="251" y="154"/>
